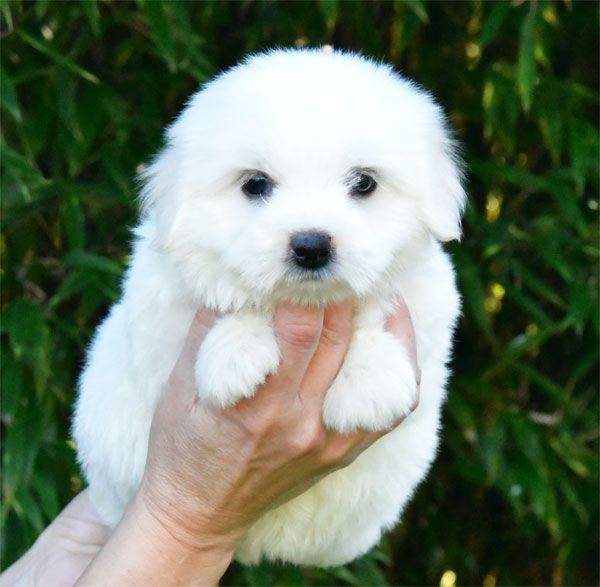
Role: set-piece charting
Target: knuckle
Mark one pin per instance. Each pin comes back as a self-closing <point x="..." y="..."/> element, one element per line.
<point x="336" y="457"/>
<point x="269" y="422"/>
<point x="302" y="335"/>
<point x="337" y="334"/>
<point x="296" y="445"/>
<point x="309" y="438"/>
<point x="315" y="437"/>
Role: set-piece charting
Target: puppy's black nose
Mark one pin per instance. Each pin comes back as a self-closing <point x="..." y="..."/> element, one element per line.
<point x="311" y="250"/>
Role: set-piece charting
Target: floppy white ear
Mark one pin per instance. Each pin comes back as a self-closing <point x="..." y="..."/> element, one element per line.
<point x="445" y="198"/>
<point x="160" y="195"/>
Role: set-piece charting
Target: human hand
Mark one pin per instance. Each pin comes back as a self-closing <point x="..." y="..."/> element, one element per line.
<point x="210" y="474"/>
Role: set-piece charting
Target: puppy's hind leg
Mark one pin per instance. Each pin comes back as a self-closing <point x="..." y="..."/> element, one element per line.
<point x="235" y="358"/>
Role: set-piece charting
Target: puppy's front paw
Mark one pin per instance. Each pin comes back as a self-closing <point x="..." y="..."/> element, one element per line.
<point x="375" y="387"/>
<point x="235" y="358"/>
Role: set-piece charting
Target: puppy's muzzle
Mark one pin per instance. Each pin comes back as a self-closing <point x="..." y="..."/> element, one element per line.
<point x="311" y="250"/>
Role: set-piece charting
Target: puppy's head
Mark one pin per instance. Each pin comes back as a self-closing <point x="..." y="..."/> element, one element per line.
<point x="304" y="175"/>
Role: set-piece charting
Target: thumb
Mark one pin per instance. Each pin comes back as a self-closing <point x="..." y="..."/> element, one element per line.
<point x="182" y="376"/>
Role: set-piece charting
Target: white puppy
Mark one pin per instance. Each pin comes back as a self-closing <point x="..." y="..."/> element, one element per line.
<point x="302" y="176"/>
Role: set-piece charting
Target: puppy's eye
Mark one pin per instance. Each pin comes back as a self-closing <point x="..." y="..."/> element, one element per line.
<point x="258" y="186"/>
<point x="362" y="185"/>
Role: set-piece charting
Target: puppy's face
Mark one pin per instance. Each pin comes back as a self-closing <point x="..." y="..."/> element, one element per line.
<point x="304" y="176"/>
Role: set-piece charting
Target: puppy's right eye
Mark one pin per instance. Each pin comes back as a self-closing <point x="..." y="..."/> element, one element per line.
<point x="259" y="186"/>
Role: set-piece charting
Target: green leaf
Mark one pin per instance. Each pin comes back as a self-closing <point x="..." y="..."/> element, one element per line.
<point x="584" y="152"/>
<point x="526" y="67"/>
<point x="492" y="448"/>
<point x="29" y="510"/>
<point x="13" y="386"/>
<point x="261" y="574"/>
<point x="418" y="8"/>
<point x="161" y="30"/>
<point x="45" y="489"/>
<point x="368" y="572"/>
<point x="8" y="96"/>
<point x="26" y="328"/>
<point x="542" y="381"/>
<point x="329" y="11"/>
<point x="92" y="14"/>
<point x="474" y="293"/>
<point x="574" y="500"/>
<point x="531" y="306"/>
<point x="494" y="21"/>
<point x="74" y="220"/>
<point x="537" y="285"/>
<point x="500" y="106"/>
<point x="21" y="447"/>
<point x="6" y="15"/>
<point x="86" y="260"/>
<point x="22" y="165"/>
<point x="576" y="464"/>
<point x="47" y="49"/>
<point x="581" y="304"/>
<point x="73" y="285"/>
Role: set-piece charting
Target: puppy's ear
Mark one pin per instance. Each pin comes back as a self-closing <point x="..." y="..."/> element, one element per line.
<point x="444" y="198"/>
<point x="160" y="196"/>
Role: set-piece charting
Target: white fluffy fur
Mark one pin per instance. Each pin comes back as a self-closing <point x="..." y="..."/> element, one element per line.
<point x="306" y="118"/>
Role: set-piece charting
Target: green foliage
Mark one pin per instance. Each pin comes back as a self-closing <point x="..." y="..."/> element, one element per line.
<point x="86" y="88"/>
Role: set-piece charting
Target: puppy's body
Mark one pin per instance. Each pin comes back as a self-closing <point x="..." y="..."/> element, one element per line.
<point x="203" y="243"/>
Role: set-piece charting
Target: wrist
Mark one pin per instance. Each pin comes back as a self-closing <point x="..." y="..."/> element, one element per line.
<point x="145" y="550"/>
<point x="181" y="533"/>
<point x="185" y="519"/>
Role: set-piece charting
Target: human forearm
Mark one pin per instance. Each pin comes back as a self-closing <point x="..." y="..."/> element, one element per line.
<point x="63" y="550"/>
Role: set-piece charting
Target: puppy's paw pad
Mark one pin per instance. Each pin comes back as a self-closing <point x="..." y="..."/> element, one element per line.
<point x="235" y="358"/>
<point x="375" y="388"/>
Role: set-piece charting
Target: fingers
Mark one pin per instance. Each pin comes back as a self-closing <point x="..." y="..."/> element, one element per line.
<point x="184" y="368"/>
<point x="330" y="353"/>
<point x="400" y="324"/>
<point x="298" y="330"/>
<point x="352" y="445"/>
<point x="343" y="449"/>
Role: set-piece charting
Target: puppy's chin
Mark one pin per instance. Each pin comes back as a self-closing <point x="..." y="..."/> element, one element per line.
<point x="312" y="289"/>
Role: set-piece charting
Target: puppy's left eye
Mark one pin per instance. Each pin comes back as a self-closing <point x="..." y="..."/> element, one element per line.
<point x="258" y="186"/>
<point x="362" y="185"/>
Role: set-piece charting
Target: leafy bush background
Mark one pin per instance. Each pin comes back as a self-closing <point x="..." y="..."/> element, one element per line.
<point x="87" y="87"/>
